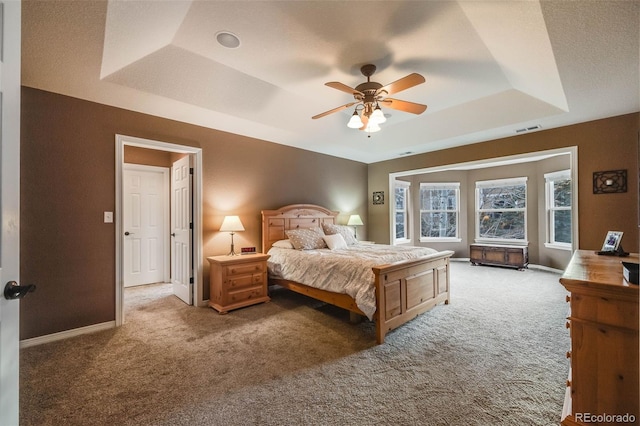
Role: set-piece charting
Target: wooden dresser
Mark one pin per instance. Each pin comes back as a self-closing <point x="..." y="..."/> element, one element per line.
<point x="603" y="323"/>
<point x="237" y="281"/>
<point x="503" y="255"/>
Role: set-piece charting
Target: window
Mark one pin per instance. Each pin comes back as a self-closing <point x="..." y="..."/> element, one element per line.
<point x="439" y="211"/>
<point x="558" y="202"/>
<point x="501" y="212"/>
<point x="401" y="211"/>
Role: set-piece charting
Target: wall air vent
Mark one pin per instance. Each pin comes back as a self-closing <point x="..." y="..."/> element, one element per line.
<point x="528" y="129"/>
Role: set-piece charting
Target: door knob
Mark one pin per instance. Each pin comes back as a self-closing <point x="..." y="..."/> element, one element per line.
<point x="128" y="233"/>
<point x="173" y="234"/>
<point x="14" y="291"/>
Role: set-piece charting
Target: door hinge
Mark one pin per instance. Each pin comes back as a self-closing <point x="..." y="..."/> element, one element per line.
<point x="191" y="280"/>
<point x="190" y="170"/>
<point x="190" y="225"/>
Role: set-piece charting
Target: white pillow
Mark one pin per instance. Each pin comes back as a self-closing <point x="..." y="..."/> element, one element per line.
<point x="346" y="232"/>
<point x="335" y="242"/>
<point x="306" y="239"/>
<point x="283" y="244"/>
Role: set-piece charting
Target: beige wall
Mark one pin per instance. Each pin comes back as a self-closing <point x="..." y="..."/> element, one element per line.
<point x="68" y="181"/>
<point x="608" y="144"/>
<point x="534" y="172"/>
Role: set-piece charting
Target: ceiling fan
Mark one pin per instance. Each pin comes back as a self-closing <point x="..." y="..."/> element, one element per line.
<point x="369" y="96"/>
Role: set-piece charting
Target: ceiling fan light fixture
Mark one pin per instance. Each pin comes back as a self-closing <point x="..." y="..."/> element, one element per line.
<point x="355" y="122"/>
<point x="372" y="127"/>
<point x="377" y="116"/>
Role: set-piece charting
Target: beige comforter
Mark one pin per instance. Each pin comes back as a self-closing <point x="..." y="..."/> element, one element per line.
<point x="341" y="271"/>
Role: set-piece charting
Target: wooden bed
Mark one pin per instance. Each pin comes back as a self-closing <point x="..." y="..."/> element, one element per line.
<point x="403" y="289"/>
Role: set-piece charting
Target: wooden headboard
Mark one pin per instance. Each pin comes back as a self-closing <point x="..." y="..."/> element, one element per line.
<point x="294" y="216"/>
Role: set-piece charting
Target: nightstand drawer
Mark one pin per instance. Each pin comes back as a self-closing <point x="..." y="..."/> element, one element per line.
<point x="244" y="295"/>
<point x="236" y="282"/>
<point x="245" y="268"/>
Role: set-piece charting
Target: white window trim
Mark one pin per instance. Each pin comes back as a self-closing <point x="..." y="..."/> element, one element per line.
<point x="549" y="178"/>
<point x="407" y="209"/>
<point x="497" y="183"/>
<point x="442" y="185"/>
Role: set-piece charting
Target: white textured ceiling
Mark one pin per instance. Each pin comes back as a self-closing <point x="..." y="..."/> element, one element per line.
<point x="491" y="67"/>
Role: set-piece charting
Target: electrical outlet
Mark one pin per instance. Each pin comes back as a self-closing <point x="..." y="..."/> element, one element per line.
<point x="108" y="217"/>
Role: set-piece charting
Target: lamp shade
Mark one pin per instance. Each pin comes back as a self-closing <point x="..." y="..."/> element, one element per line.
<point x="231" y="224"/>
<point x="355" y="122"/>
<point x="354" y="220"/>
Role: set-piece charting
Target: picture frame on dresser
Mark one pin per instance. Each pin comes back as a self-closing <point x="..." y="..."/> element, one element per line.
<point x="612" y="241"/>
<point x="611" y="245"/>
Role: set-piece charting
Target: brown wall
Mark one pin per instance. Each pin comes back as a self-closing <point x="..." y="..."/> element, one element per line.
<point x="68" y="181"/>
<point x="607" y="144"/>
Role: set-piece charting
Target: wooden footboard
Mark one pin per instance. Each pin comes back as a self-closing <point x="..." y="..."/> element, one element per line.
<point x="406" y="289"/>
<point x="403" y="289"/>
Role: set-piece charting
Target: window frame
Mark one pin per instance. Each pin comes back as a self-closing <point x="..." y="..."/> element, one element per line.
<point x="441" y="186"/>
<point x="401" y="184"/>
<point x="498" y="183"/>
<point x="550" y="209"/>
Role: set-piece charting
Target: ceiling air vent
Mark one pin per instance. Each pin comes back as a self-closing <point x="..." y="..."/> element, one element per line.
<point x="528" y="129"/>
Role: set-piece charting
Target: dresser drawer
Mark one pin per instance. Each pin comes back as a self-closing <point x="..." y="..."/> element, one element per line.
<point x="245" y="268"/>
<point x="605" y="311"/>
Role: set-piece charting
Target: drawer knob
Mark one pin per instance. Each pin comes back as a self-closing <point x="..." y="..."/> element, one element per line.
<point x="568" y="383"/>
<point x="567" y="324"/>
<point x="568" y="354"/>
<point x="568" y="298"/>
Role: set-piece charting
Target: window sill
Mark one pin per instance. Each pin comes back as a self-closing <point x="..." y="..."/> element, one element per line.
<point x="401" y="241"/>
<point x="441" y="240"/>
<point x="558" y="246"/>
<point x="501" y="241"/>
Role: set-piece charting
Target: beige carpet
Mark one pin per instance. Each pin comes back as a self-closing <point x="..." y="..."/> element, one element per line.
<point x="495" y="355"/>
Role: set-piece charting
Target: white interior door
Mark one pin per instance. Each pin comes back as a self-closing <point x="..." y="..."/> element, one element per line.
<point x="145" y="224"/>
<point x="9" y="206"/>
<point x="181" y="230"/>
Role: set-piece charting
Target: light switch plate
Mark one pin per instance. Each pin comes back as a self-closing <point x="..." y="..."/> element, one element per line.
<point x="108" y="217"/>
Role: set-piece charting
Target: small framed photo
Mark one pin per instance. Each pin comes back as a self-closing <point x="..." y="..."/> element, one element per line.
<point x="612" y="241"/>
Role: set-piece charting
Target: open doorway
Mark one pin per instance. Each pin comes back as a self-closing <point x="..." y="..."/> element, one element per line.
<point x="128" y="148"/>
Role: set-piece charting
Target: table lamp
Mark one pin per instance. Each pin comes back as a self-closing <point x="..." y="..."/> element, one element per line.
<point x="354" y="220"/>
<point x="231" y="224"/>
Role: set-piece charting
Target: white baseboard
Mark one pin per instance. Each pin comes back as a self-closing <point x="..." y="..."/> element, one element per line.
<point x="26" y="343"/>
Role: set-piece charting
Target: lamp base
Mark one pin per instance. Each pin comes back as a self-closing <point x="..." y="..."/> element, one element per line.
<point x="232" y="252"/>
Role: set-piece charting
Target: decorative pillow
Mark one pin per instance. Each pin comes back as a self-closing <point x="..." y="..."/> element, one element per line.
<point x="345" y="231"/>
<point x="335" y="242"/>
<point x="306" y="239"/>
<point x="283" y="244"/>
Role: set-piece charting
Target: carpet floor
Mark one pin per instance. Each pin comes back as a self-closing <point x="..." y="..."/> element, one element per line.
<point x="494" y="356"/>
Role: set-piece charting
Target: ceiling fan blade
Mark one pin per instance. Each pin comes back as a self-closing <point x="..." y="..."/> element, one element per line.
<point x="331" y="111"/>
<point x="343" y="87"/>
<point x="404" y="106"/>
<point x="403" y="84"/>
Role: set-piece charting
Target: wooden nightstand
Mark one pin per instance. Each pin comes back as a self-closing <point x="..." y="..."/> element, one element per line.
<point x="237" y="281"/>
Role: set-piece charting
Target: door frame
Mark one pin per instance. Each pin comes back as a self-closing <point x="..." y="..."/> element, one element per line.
<point x="121" y="142"/>
<point x="166" y="226"/>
